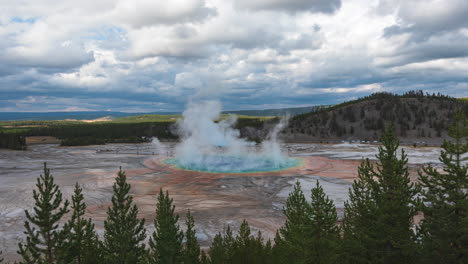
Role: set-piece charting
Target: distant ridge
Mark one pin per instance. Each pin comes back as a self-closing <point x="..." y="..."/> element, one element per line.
<point x="84" y="115"/>
<point x="89" y="115"/>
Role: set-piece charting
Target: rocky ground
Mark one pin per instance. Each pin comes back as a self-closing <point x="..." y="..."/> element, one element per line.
<point x="214" y="199"/>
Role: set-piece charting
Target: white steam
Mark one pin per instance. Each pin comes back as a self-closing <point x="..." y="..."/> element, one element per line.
<point x="160" y="148"/>
<point x="217" y="146"/>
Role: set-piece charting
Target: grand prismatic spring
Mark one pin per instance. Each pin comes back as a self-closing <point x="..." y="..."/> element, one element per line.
<point x="222" y="178"/>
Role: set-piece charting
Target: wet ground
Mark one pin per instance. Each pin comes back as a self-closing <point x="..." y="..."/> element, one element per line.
<point x="215" y="199"/>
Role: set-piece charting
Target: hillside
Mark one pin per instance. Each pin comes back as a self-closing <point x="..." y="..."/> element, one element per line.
<point x="418" y="118"/>
<point x="276" y="112"/>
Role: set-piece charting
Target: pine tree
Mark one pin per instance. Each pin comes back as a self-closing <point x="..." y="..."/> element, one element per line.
<point x="1" y="259"/>
<point x="396" y="202"/>
<point x="359" y="217"/>
<point x="166" y="241"/>
<point x="191" y="250"/>
<point x="80" y="242"/>
<point x="124" y="233"/>
<point x="324" y="232"/>
<point x="444" y="229"/>
<point x="217" y="250"/>
<point x="292" y="243"/>
<point x="42" y="234"/>
<point x="379" y="215"/>
<point x="243" y="245"/>
<point x="268" y="252"/>
<point x="464" y="231"/>
<point x="247" y="248"/>
<point x="222" y="248"/>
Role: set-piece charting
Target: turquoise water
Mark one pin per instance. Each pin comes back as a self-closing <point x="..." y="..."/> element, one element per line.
<point x="234" y="164"/>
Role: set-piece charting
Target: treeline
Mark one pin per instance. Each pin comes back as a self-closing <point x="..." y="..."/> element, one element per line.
<point x="12" y="141"/>
<point x="73" y="133"/>
<point x="86" y="141"/>
<point x="100" y="133"/>
<point x="378" y="224"/>
<point x="414" y="114"/>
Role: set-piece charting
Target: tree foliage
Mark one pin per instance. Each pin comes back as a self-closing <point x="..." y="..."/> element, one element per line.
<point x="42" y="224"/>
<point x="166" y="241"/>
<point x="444" y="227"/>
<point x="379" y="215"/>
<point x="124" y="233"/>
<point x="191" y="249"/>
<point x="79" y="240"/>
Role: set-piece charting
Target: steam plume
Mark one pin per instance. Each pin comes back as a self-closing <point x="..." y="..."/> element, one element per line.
<point x="216" y="146"/>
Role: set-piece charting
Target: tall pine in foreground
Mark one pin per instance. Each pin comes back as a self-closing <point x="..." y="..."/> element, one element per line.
<point x="379" y="214"/>
<point x="80" y="242"/>
<point x="444" y="229"/>
<point x="191" y="250"/>
<point x="324" y="233"/>
<point x="124" y="233"/>
<point x="359" y="231"/>
<point x="292" y="242"/>
<point x="166" y="241"/>
<point x="42" y="233"/>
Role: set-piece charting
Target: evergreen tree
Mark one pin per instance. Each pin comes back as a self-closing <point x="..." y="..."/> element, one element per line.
<point x="324" y="232"/>
<point x="124" y="233"/>
<point x="217" y="250"/>
<point x="292" y="242"/>
<point x="1" y="259"/>
<point x="191" y="250"/>
<point x="464" y="231"/>
<point x="42" y="235"/>
<point x="379" y="215"/>
<point x="80" y="242"/>
<point x="222" y="248"/>
<point x="444" y="229"/>
<point x="247" y="248"/>
<point x="166" y="241"/>
<point x="359" y="217"/>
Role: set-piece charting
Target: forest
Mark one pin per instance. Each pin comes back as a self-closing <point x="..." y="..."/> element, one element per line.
<point x="415" y="115"/>
<point x="378" y="225"/>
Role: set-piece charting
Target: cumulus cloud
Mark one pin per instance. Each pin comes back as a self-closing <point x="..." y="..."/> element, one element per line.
<point x="38" y="44"/>
<point x="148" y="55"/>
<point x="425" y="19"/>
<point x="141" y="13"/>
<point x="427" y="30"/>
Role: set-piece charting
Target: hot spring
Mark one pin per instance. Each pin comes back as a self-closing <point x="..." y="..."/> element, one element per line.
<point x="210" y="143"/>
<point x="234" y="164"/>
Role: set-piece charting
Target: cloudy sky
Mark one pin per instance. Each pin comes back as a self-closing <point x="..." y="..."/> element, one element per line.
<point x="149" y="55"/>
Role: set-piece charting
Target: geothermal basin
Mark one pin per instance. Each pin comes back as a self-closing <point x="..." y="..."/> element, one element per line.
<point x="214" y="198"/>
<point x="221" y="177"/>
